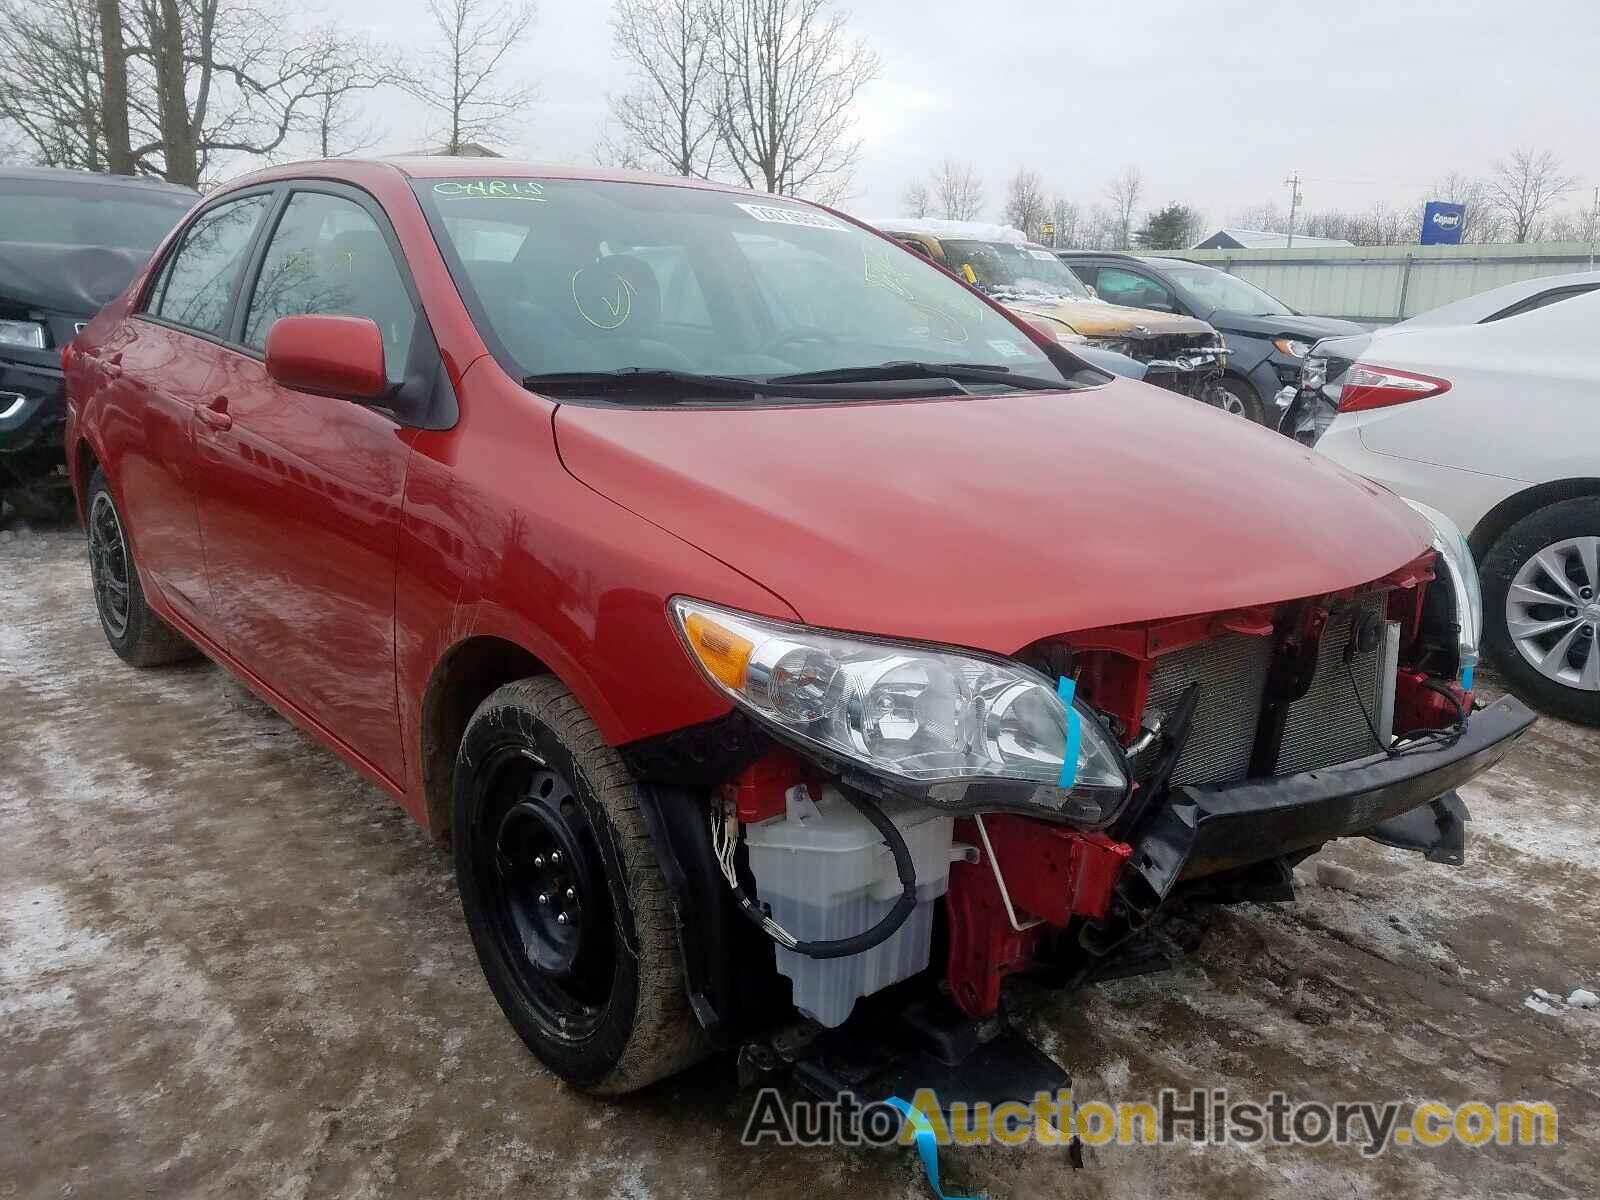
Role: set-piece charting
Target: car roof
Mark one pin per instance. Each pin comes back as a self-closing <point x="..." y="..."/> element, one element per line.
<point x="1472" y="309"/>
<point x="448" y="167"/>
<point x="68" y="175"/>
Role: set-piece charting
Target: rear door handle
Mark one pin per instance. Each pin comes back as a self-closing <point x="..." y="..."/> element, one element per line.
<point x="215" y="414"/>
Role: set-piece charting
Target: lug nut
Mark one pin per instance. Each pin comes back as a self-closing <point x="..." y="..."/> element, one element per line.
<point x="572" y="893"/>
<point x="561" y="918"/>
<point x="1571" y="612"/>
<point x="544" y="897"/>
<point x="555" y="857"/>
<point x="1587" y="631"/>
<point x="538" y="860"/>
<point x="1586" y="592"/>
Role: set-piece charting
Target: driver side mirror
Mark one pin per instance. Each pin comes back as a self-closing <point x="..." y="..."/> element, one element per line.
<point x="328" y="355"/>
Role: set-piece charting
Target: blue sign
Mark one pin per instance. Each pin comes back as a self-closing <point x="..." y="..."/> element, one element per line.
<point x="1442" y="223"/>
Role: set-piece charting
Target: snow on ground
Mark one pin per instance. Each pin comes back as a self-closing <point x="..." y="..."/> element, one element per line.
<point x="229" y="966"/>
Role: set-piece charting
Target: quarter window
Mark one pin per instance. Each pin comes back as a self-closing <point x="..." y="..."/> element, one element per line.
<point x="328" y="256"/>
<point x="196" y="289"/>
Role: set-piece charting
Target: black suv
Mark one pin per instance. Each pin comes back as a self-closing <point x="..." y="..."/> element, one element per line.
<point x="69" y="242"/>
<point x="1267" y="340"/>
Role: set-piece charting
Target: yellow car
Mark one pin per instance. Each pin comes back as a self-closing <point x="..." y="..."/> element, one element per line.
<point x="1181" y="354"/>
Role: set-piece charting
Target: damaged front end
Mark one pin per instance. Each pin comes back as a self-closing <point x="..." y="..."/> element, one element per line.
<point x="859" y="925"/>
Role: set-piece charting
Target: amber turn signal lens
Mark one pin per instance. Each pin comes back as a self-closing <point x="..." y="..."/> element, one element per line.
<point x="721" y="651"/>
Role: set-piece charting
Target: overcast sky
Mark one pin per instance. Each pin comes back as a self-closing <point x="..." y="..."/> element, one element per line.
<point x="1217" y="101"/>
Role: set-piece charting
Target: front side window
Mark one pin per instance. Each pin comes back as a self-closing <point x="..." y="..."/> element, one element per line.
<point x="328" y="255"/>
<point x="611" y="276"/>
<point x="197" y="285"/>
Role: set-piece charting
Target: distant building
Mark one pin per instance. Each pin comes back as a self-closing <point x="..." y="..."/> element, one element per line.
<point x="1256" y="239"/>
<point x="464" y="150"/>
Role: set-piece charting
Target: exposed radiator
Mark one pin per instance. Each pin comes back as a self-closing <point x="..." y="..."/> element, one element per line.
<point x="1232" y="673"/>
<point x="1325" y="726"/>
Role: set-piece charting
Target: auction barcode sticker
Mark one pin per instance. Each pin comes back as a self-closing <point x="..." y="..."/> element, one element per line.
<point x="773" y="215"/>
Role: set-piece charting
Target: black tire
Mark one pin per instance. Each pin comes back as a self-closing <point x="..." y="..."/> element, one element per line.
<point x="1511" y="553"/>
<point x="1244" y="395"/>
<point x="138" y="636"/>
<point x="601" y="998"/>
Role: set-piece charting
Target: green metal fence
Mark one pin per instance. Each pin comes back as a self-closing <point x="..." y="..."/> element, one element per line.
<point x="1383" y="284"/>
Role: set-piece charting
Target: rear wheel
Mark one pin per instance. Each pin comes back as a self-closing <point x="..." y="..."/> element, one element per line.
<point x="135" y="632"/>
<point x="1236" y="396"/>
<point x="562" y="894"/>
<point x="1541" y="602"/>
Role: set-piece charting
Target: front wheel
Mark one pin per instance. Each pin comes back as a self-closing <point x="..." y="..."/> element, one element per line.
<point x="1541" y="603"/>
<point x="1239" y="398"/>
<point x="566" y="905"/>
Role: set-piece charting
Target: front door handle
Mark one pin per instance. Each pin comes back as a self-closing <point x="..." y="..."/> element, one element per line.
<point x="215" y="414"/>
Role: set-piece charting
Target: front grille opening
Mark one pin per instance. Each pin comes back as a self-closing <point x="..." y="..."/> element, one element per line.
<point x="1332" y="723"/>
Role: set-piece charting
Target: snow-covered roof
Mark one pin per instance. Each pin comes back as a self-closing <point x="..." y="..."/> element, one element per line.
<point x="1260" y="239"/>
<point x="975" y="231"/>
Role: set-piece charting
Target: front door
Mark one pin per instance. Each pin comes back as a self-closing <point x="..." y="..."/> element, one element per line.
<point x="300" y="496"/>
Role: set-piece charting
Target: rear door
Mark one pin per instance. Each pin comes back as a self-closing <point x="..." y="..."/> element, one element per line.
<point x="300" y="495"/>
<point x="160" y="363"/>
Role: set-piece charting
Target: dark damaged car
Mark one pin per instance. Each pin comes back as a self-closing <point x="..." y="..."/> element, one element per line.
<point x="69" y="242"/>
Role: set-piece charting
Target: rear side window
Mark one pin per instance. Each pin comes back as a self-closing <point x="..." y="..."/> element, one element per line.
<point x="328" y="255"/>
<point x="1542" y="300"/>
<point x="196" y="287"/>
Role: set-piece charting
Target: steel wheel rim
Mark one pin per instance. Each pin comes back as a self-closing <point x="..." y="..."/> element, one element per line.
<point x="538" y="860"/>
<point x="108" y="565"/>
<point x="1553" y="612"/>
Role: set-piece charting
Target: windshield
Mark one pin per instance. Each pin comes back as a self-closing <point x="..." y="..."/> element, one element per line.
<point x="1010" y="268"/>
<point x="586" y="276"/>
<point x="1205" y="289"/>
<point x="51" y="213"/>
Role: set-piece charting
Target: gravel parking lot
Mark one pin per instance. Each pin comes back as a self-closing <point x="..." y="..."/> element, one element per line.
<point x="229" y="966"/>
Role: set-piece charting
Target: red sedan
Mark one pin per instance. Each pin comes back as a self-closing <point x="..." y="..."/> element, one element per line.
<point x="791" y="644"/>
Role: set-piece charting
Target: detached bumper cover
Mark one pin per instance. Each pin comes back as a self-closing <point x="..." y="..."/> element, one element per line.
<point x="1203" y="830"/>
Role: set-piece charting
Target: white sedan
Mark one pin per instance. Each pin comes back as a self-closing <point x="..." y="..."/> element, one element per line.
<point x="1497" y="424"/>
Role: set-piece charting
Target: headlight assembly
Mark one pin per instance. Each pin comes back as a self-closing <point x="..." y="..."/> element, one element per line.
<point x="945" y="722"/>
<point x="1460" y="575"/>
<point x="27" y="334"/>
<point x="1293" y="347"/>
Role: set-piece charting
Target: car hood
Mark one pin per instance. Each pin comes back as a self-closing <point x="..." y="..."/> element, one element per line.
<point x="76" y="280"/>
<point x="1096" y="318"/>
<point x="1307" y="329"/>
<point x="993" y="522"/>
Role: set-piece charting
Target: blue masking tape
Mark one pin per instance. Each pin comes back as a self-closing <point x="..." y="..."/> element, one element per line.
<point x="1466" y="677"/>
<point x="1066" y="689"/>
<point x="927" y="1146"/>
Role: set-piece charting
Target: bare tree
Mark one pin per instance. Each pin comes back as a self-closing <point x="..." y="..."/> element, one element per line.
<point x="1064" y="216"/>
<point x="114" y="88"/>
<point x="1524" y="187"/>
<point x="1025" y="203"/>
<point x="915" y="200"/>
<point x="463" y="78"/>
<point x="787" y="78"/>
<point x="1123" y="193"/>
<point x="1482" y="221"/>
<point x="668" y="119"/>
<point x="349" y="70"/>
<point x="958" y="192"/>
<point x="50" y="90"/>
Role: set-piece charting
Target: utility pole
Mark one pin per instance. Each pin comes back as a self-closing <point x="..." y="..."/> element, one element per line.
<point x="1293" y="184"/>
<point x="1594" y="226"/>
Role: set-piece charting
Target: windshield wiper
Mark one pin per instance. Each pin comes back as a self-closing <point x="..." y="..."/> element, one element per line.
<point x="959" y="372"/>
<point x="671" y="386"/>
